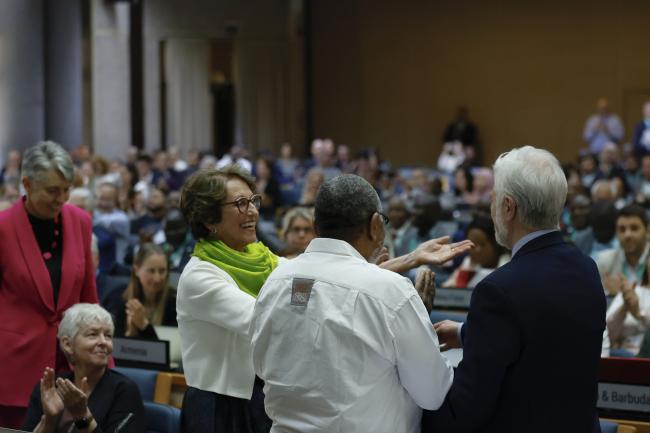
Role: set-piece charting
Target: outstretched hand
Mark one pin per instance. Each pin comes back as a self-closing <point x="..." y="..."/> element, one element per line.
<point x="437" y="251"/>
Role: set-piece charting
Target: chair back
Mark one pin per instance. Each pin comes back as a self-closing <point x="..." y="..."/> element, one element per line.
<point x="145" y="379"/>
<point x="161" y="418"/>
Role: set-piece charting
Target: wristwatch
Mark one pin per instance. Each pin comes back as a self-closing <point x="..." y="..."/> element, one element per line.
<point x="83" y="423"/>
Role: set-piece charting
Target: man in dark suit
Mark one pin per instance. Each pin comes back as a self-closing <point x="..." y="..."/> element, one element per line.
<point x="533" y="335"/>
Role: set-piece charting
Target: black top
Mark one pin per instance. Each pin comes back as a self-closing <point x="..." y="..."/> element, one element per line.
<point x="114" y="397"/>
<point x="48" y="234"/>
<point x="117" y="307"/>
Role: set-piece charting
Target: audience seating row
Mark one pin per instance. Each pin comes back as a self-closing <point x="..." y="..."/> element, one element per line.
<point x="156" y="391"/>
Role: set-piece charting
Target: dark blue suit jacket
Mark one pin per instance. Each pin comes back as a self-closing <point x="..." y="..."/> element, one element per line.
<point x="531" y="347"/>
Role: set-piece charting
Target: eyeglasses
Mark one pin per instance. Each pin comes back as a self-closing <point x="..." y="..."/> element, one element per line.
<point x="384" y="218"/>
<point x="242" y="203"/>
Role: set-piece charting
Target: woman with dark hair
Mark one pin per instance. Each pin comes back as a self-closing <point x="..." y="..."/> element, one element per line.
<point x="268" y="187"/>
<point x="148" y="300"/>
<point x="464" y="187"/>
<point x="483" y="259"/>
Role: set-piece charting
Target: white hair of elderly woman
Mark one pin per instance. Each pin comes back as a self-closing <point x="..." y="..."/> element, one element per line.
<point x="82" y="314"/>
<point x="535" y="181"/>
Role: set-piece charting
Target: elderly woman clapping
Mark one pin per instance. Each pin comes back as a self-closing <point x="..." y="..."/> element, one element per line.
<point x="93" y="398"/>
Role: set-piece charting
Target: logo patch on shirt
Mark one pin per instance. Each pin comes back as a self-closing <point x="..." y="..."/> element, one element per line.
<point x="301" y="291"/>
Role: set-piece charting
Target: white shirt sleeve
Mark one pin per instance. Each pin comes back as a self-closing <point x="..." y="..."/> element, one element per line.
<point x="423" y="371"/>
<point x="205" y="294"/>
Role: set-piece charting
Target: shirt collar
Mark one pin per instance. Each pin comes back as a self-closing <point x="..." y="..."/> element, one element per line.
<point x="529" y="237"/>
<point x="333" y="246"/>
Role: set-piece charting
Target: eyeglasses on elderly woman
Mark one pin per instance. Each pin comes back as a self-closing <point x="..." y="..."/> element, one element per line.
<point x="243" y="203"/>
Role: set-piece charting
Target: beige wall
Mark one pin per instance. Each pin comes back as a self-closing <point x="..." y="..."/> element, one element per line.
<point x="390" y="74"/>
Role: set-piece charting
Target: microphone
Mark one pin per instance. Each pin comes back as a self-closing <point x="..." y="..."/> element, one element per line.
<point x="124" y="422"/>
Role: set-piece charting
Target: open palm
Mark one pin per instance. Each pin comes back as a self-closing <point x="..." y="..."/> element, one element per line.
<point x="50" y="399"/>
<point x="435" y="252"/>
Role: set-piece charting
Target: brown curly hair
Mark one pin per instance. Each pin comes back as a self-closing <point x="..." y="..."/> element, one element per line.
<point x="204" y="192"/>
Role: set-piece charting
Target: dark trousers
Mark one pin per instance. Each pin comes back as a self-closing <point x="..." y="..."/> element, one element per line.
<point x="209" y="412"/>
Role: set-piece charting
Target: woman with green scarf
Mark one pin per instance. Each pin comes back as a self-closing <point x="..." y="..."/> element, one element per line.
<point x="216" y="296"/>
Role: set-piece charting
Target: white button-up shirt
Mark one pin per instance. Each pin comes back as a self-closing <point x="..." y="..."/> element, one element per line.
<point x="351" y="351"/>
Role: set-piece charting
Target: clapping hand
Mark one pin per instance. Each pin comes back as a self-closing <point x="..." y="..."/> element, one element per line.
<point x="630" y="299"/>
<point x="50" y="399"/>
<point x="74" y="399"/>
<point x="136" y="317"/>
<point x="435" y="252"/>
<point x="425" y="284"/>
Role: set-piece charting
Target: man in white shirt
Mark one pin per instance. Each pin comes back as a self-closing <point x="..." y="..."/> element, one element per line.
<point x="343" y="345"/>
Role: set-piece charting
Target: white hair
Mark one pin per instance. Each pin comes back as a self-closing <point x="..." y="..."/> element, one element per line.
<point x="82" y="195"/>
<point x="83" y="314"/>
<point x="613" y="188"/>
<point x="44" y="156"/>
<point x="534" y="179"/>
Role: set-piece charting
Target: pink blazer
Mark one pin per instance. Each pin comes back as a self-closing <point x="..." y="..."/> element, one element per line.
<point x="28" y="318"/>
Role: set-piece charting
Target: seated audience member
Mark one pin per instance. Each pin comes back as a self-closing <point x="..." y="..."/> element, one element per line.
<point x="93" y="398"/>
<point x="464" y="187"/>
<point x="604" y="190"/>
<point x="82" y="198"/>
<point x="297" y="230"/>
<point x="589" y="172"/>
<point x="628" y="261"/>
<point x="105" y="282"/>
<point x="632" y="173"/>
<point x="643" y="190"/>
<point x="286" y="165"/>
<point x="628" y="317"/>
<point x="482" y="260"/>
<point x="313" y="180"/>
<point x="156" y="209"/>
<point x="603" y="224"/>
<point x="398" y="226"/>
<point x="580" y="232"/>
<point x="115" y="221"/>
<point x="148" y="299"/>
<point x="268" y="188"/>
<point x="340" y="343"/>
<point x="237" y="155"/>
<point x="10" y="173"/>
<point x="427" y="223"/>
<point x="641" y="134"/>
<point x="483" y="183"/>
<point x="179" y="242"/>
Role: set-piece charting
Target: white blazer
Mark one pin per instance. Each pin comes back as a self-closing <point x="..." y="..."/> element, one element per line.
<point x="213" y="321"/>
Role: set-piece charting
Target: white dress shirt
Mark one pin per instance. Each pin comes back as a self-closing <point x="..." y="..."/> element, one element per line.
<point x="357" y="353"/>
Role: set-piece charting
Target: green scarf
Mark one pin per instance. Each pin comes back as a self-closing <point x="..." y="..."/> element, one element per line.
<point x="249" y="268"/>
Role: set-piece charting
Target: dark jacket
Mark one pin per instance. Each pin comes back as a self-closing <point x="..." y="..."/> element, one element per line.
<point x="531" y="347"/>
<point x="114" y="397"/>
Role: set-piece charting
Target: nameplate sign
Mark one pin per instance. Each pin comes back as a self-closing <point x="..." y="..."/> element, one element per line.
<point x="633" y="398"/>
<point x="453" y="298"/>
<point x="145" y="351"/>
